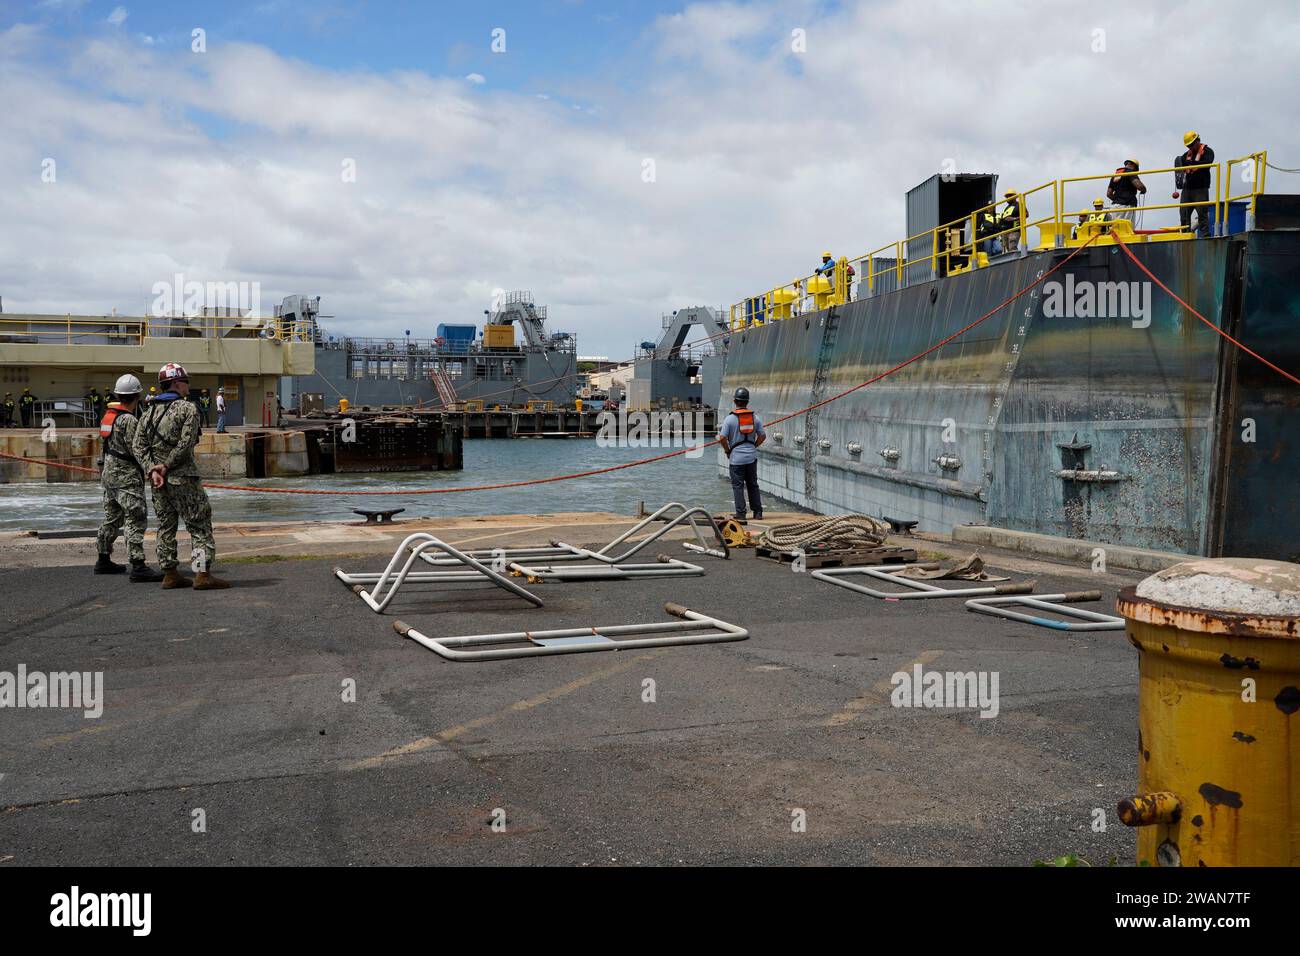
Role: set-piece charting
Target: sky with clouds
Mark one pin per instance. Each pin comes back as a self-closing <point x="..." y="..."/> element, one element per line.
<point x="526" y="167"/>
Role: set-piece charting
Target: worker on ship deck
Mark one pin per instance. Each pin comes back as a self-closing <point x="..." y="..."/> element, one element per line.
<point x="1010" y="219"/>
<point x="826" y="269"/>
<point x="1123" y="190"/>
<point x="986" y="224"/>
<point x="7" y="411"/>
<point x="1099" y="213"/>
<point x="1194" y="184"/>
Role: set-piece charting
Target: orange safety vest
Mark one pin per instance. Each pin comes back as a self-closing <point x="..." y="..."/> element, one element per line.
<point x="110" y="417"/>
<point x="744" y="422"/>
<point x="106" y="426"/>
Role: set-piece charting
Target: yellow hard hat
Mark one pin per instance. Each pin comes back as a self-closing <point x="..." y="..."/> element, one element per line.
<point x="1099" y="202"/>
<point x="826" y="255"/>
<point x="1190" y="137"/>
<point x="1009" y="193"/>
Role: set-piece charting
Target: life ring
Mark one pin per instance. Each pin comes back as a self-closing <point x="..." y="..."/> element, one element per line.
<point x="392" y="347"/>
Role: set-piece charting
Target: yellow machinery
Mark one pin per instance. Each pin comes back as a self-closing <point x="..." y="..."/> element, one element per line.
<point x="498" y="336"/>
<point x="781" y="300"/>
<point x="733" y="532"/>
<point x="819" y="287"/>
<point x="343" y="406"/>
<point x="1219" y="690"/>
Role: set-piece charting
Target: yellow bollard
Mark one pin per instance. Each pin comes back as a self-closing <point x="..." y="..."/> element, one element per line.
<point x="782" y="300"/>
<point x="1219" y="685"/>
<point x="819" y="287"/>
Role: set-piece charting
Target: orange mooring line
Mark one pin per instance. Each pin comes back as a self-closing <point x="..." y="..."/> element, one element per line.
<point x="1253" y="354"/>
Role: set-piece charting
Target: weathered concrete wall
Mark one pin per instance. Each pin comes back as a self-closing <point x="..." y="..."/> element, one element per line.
<point x="219" y="456"/>
<point x="285" y="454"/>
<point x="223" y="455"/>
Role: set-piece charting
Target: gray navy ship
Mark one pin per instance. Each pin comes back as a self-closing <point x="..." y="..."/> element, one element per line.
<point x="511" y="361"/>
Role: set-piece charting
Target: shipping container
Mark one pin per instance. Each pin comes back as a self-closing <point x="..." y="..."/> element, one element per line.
<point x="940" y="199"/>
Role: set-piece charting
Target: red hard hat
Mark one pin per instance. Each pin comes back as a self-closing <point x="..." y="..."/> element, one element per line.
<point x="172" y="372"/>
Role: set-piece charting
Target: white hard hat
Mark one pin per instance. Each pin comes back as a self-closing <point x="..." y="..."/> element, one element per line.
<point x="128" y="385"/>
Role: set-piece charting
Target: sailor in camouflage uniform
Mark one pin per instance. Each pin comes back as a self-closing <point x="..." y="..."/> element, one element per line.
<point x="164" y="445"/>
<point x="122" y="481"/>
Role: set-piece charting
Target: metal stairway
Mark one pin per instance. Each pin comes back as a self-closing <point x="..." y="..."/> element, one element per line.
<point x="442" y="382"/>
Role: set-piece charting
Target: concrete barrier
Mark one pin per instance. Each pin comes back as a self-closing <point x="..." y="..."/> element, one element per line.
<point x="73" y="447"/>
<point x="218" y="456"/>
<point x="221" y="455"/>
<point x="285" y="454"/>
<point x="1067" y="550"/>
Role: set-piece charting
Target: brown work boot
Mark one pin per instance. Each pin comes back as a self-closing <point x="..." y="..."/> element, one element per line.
<point x="203" y="581"/>
<point x="172" y="578"/>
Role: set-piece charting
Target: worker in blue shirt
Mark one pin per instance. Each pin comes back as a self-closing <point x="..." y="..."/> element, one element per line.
<point x="740" y="435"/>
<point x="827" y="268"/>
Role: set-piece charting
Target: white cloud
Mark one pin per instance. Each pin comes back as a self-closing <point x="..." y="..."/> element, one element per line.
<point x="118" y="16"/>
<point x="477" y="79"/>
<point x="460" y="190"/>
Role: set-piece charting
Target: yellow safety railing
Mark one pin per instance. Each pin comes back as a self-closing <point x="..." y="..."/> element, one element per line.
<point x="965" y="243"/>
<point x="71" y="330"/>
<point x="123" y="330"/>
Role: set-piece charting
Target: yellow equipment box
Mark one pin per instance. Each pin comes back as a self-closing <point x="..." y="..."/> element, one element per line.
<point x="499" y="336"/>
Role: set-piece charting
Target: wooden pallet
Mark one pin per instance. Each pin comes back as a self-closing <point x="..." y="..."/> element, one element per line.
<point x="842" y="559"/>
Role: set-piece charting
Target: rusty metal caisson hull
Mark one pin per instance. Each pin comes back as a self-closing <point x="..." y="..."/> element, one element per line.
<point x="1141" y="427"/>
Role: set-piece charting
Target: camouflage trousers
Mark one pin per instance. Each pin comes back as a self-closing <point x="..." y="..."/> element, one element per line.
<point x="124" y="507"/>
<point x="183" y="499"/>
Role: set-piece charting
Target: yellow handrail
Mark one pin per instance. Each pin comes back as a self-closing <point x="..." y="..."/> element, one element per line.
<point x="133" y="330"/>
<point x="957" y="244"/>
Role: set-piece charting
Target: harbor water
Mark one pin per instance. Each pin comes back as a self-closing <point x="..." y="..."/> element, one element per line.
<point x="40" y="506"/>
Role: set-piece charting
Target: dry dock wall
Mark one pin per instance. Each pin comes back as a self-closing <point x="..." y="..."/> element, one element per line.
<point x="981" y="430"/>
<point x="218" y="455"/>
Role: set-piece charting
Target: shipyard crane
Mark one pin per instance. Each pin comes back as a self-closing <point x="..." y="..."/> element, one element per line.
<point x="518" y="307"/>
<point x="678" y="326"/>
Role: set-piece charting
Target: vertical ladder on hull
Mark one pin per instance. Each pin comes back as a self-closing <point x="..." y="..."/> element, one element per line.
<point x="442" y="382"/>
<point x="830" y="325"/>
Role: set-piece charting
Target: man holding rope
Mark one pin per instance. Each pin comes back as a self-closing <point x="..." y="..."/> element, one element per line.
<point x="740" y="436"/>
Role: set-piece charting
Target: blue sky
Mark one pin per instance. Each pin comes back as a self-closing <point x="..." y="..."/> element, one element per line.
<point x="551" y="43"/>
<point x="477" y="171"/>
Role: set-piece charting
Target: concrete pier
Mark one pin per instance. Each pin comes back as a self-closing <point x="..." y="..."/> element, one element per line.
<point x="309" y="732"/>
